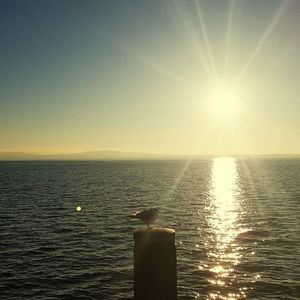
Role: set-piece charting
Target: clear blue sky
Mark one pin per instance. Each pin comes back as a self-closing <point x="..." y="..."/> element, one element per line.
<point x="143" y="75"/>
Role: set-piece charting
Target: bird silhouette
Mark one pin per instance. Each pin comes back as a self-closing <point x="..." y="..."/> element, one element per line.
<point x="147" y="216"/>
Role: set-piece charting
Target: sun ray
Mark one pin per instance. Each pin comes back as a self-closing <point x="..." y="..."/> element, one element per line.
<point x="188" y="161"/>
<point x="228" y="36"/>
<point x="150" y="62"/>
<point x="263" y="39"/>
<point x="206" y="41"/>
<point x="191" y="33"/>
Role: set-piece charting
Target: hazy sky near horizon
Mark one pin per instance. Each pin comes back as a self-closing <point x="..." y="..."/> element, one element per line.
<point x="150" y="76"/>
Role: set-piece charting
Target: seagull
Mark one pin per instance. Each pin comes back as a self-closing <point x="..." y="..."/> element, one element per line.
<point x="147" y="216"/>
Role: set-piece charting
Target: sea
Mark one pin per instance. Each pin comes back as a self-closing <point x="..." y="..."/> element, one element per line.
<point x="65" y="231"/>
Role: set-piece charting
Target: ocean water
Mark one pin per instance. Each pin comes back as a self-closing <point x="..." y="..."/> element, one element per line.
<point x="237" y="227"/>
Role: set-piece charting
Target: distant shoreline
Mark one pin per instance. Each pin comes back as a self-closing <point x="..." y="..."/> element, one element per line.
<point x="126" y="156"/>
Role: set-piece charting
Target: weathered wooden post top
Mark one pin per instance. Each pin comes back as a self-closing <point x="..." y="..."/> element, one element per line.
<point x="155" y="276"/>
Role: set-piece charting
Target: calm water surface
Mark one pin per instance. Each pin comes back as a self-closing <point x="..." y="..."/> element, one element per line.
<point x="237" y="227"/>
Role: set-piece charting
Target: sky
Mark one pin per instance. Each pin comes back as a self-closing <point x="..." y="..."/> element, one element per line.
<point x="203" y="77"/>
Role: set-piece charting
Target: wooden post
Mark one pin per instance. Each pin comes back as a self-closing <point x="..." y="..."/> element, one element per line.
<point x="155" y="276"/>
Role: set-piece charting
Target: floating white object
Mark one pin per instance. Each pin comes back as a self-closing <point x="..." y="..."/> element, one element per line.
<point x="78" y="208"/>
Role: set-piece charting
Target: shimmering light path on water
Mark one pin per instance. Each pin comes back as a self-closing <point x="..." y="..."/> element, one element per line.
<point x="224" y="211"/>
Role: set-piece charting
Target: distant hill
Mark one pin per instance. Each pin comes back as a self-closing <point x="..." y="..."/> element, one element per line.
<point x="17" y="156"/>
<point x="119" y="155"/>
<point x="89" y="155"/>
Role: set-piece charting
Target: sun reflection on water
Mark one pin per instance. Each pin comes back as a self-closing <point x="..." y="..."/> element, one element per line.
<point x="223" y="214"/>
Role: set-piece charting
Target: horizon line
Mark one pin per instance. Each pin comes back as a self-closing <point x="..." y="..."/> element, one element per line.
<point x="124" y="155"/>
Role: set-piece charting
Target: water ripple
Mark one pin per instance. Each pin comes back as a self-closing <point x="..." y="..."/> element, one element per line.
<point x="237" y="227"/>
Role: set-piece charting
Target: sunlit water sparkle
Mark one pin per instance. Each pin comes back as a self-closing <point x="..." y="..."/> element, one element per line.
<point x="224" y="212"/>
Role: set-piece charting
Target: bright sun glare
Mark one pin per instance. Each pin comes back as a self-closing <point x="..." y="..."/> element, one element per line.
<point x="224" y="102"/>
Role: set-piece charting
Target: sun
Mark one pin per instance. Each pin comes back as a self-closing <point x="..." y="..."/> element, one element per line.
<point x="224" y="102"/>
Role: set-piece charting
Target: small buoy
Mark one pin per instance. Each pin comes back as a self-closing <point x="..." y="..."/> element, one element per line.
<point x="78" y="208"/>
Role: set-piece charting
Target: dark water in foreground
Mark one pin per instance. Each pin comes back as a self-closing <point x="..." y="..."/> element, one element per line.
<point x="237" y="227"/>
